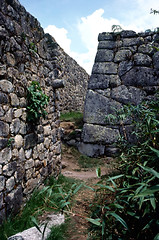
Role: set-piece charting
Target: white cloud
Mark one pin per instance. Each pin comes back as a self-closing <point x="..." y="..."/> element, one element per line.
<point x="90" y="26"/>
<point x="60" y="35"/>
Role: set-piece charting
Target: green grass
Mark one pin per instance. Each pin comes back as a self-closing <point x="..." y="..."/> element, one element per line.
<point x="37" y="205"/>
<point x="59" y="232"/>
<point x="76" y="117"/>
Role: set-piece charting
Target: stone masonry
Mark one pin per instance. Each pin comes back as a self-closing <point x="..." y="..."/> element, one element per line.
<point x="28" y="154"/>
<point x="126" y="71"/>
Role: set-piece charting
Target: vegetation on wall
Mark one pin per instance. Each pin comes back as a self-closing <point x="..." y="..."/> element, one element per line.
<point x="36" y="102"/>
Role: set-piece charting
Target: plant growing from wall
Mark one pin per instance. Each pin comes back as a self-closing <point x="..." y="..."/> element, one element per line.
<point x="36" y="102"/>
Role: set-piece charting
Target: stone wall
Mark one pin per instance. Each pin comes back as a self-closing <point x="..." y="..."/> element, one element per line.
<point x="72" y="96"/>
<point x="126" y="70"/>
<point x="28" y="154"/>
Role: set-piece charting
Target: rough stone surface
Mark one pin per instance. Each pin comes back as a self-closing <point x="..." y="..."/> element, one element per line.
<point x="97" y="107"/>
<point x="91" y="150"/>
<point x="99" y="134"/>
<point x="125" y="71"/>
<point x="34" y="234"/>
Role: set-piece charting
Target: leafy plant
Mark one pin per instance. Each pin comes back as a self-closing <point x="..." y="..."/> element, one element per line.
<point x="54" y="197"/>
<point x="126" y="205"/>
<point x="36" y="102"/>
<point x="32" y="48"/>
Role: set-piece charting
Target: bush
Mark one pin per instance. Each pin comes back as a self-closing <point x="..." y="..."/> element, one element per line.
<point x="126" y="205"/>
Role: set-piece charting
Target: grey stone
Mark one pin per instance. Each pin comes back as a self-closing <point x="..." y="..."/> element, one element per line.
<point x="99" y="81"/>
<point x="17" y="113"/>
<point x="128" y="34"/>
<point x="140" y="77"/>
<point x="10" y="183"/>
<point x="15" y="126"/>
<point x="2" y="183"/>
<point x="103" y="81"/>
<point x="14" y="100"/>
<point x="91" y="150"/>
<point x="146" y="49"/>
<point x="29" y="164"/>
<point x="1" y="201"/>
<point x="3" y="98"/>
<point x="34" y="234"/>
<point x="30" y="140"/>
<point x="124" y="67"/>
<point x="1" y="112"/>
<point x="18" y="141"/>
<point x="104" y="55"/>
<point x="2" y="70"/>
<point x="156" y="60"/>
<point x="10" y="59"/>
<point x="9" y="169"/>
<point x="105" y="68"/>
<point x="4" y="129"/>
<point x="122" y="55"/>
<point x="141" y="59"/>
<point x="5" y="155"/>
<point x="97" y="107"/>
<point x="21" y="155"/>
<point x="106" y="45"/>
<point x="9" y="116"/>
<point x="99" y="134"/>
<point x="128" y="95"/>
<point x="16" y="238"/>
<point x="128" y="42"/>
<point x="105" y="36"/>
<point x="14" y="201"/>
<point x="3" y="143"/>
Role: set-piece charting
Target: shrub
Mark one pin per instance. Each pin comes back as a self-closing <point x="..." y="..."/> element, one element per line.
<point x="126" y="205"/>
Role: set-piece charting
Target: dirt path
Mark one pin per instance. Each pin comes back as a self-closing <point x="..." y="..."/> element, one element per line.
<point x="78" y="229"/>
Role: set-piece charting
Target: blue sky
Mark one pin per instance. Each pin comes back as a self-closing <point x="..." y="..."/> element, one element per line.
<point x="75" y="24"/>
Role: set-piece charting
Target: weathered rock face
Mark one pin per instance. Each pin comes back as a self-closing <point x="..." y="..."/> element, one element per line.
<point x="30" y="153"/>
<point x="126" y="71"/>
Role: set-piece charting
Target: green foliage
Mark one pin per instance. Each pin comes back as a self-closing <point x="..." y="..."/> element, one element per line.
<point x="116" y="28"/>
<point x="32" y="48"/>
<point x="55" y="196"/>
<point x="10" y="141"/>
<point x="76" y="117"/>
<point x="36" y="102"/>
<point x="153" y="11"/>
<point x="126" y="204"/>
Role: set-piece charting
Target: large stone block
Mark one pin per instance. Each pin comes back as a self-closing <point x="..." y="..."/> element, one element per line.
<point x="141" y="59"/>
<point x="91" y="150"/>
<point x="105" y="36"/>
<point x="97" y="107"/>
<point x="122" y="55"/>
<point x="128" y="95"/>
<point x="124" y="67"/>
<point x="105" y="68"/>
<point x="141" y="77"/>
<point x="104" y="55"/>
<point x="99" y="134"/>
<point x="106" y="45"/>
